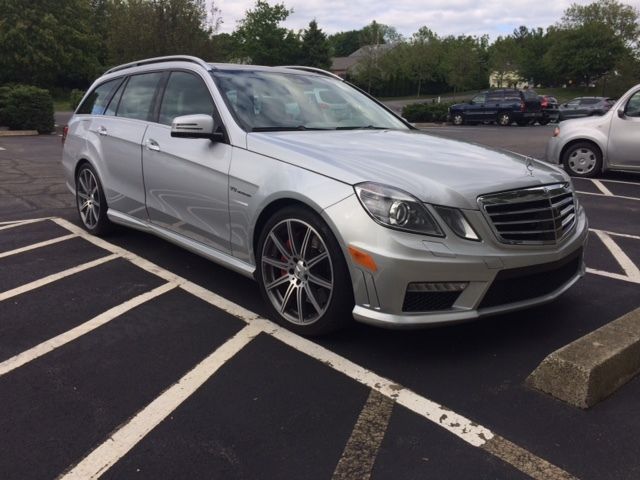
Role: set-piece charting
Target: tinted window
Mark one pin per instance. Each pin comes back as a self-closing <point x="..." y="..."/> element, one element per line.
<point x="96" y="101"/>
<point x="512" y="97"/>
<point x="186" y="94"/>
<point x="530" y="95"/>
<point x="633" y="106"/>
<point x="589" y="101"/>
<point x="138" y="96"/>
<point x="494" y="96"/>
<point x="113" y="104"/>
<point x="479" y="99"/>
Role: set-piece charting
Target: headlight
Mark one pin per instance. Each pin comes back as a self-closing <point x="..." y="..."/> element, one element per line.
<point x="457" y="222"/>
<point x="396" y="209"/>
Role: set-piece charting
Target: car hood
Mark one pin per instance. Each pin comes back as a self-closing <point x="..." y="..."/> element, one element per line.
<point x="434" y="169"/>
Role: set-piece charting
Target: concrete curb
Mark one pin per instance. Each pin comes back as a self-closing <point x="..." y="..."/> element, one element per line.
<point x="593" y="367"/>
<point x="17" y="133"/>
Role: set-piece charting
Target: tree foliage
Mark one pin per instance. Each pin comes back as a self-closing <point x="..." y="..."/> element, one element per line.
<point x="260" y="39"/>
<point x="344" y="44"/>
<point x="315" y="47"/>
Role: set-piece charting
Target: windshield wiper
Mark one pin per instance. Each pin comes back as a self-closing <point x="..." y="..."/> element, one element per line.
<point x="284" y="129"/>
<point x="368" y="127"/>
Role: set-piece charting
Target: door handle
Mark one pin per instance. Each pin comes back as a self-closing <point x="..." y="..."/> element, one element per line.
<point x="102" y="130"/>
<point x="152" y="145"/>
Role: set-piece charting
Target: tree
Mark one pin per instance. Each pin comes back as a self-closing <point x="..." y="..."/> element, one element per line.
<point x="533" y="45"/>
<point x="315" y="47"/>
<point x="378" y="33"/>
<point x="421" y="57"/>
<point x="344" y="43"/>
<point x="585" y="53"/>
<point x="465" y="62"/>
<point x="171" y="27"/>
<point x="47" y="42"/>
<point x="261" y="40"/>
<point x="504" y="58"/>
<point x="622" y="20"/>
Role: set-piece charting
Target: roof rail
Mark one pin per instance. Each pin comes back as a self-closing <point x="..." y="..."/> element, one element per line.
<point x="170" y="58"/>
<point x="314" y="70"/>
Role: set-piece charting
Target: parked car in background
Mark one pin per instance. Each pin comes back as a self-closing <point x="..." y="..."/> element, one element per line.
<point x="548" y="110"/>
<point x="502" y="106"/>
<point x="588" y="146"/>
<point x="336" y="218"/>
<point x="585" y="107"/>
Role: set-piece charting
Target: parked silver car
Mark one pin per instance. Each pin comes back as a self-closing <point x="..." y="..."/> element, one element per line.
<point x="357" y="215"/>
<point x="588" y="146"/>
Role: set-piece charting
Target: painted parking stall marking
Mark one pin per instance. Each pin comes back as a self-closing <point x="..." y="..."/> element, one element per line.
<point x="131" y="433"/>
<point x="630" y="269"/>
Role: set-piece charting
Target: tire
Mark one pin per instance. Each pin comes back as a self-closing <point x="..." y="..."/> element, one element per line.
<point x="91" y="202"/>
<point x="544" y="121"/>
<point x="457" y="119"/>
<point x="302" y="273"/>
<point x="582" y="159"/>
<point x="504" y="119"/>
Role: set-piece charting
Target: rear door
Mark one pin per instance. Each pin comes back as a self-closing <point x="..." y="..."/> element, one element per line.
<point x="492" y="105"/>
<point x="186" y="179"/>
<point x="475" y="109"/>
<point x="121" y="142"/>
<point x="624" y="135"/>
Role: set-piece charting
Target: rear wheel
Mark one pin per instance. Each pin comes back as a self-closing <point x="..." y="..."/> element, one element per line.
<point x="91" y="201"/>
<point x="302" y="273"/>
<point x="504" y="119"/>
<point x="583" y="159"/>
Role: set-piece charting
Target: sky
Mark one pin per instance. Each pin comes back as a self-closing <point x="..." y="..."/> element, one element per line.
<point x="444" y="17"/>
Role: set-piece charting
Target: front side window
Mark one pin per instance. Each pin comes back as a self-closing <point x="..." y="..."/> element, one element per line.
<point x="633" y="106"/>
<point x="185" y="94"/>
<point x="97" y="100"/>
<point x="262" y="101"/>
<point x="478" y="99"/>
<point x="137" y="97"/>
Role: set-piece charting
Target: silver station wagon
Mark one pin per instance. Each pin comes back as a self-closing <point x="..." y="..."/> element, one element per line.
<point x="338" y="209"/>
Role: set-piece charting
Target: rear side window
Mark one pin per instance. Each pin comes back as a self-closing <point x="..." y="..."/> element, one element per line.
<point x="96" y="101"/>
<point x="495" y="96"/>
<point x="186" y="94"/>
<point x="589" y="101"/>
<point x="137" y="97"/>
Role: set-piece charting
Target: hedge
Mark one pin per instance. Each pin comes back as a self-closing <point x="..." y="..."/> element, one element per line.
<point x="74" y="98"/>
<point x="426" y="112"/>
<point x="23" y="107"/>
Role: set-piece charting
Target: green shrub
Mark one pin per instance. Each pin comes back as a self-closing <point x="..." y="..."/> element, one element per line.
<point x="426" y="112"/>
<point x="74" y="98"/>
<point x="23" y="107"/>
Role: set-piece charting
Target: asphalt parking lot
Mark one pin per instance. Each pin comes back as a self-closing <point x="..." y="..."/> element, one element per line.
<point x="129" y="357"/>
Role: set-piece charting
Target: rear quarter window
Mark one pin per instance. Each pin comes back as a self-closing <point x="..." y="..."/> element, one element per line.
<point x="97" y="100"/>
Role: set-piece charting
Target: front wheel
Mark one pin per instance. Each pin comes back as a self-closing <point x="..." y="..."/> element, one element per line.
<point x="302" y="273"/>
<point x="583" y="159"/>
<point x="504" y="119"/>
<point x="457" y="119"/>
<point x="91" y="201"/>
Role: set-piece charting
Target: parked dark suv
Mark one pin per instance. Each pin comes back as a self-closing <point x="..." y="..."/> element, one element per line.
<point x="503" y="106"/>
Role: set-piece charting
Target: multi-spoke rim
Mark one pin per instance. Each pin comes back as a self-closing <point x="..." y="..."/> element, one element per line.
<point x="457" y="119"/>
<point x="504" y="119"/>
<point x="297" y="271"/>
<point x="582" y="160"/>
<point x="88" y="198"/>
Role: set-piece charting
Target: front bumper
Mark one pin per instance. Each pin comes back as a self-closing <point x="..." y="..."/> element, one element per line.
<point x="404" y="258"/>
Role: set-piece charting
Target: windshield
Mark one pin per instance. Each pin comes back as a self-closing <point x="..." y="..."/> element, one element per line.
<point x="272" y="101"/>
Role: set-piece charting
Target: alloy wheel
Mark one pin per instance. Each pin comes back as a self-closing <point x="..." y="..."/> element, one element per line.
<point x="88" y="197"/>
<point x="297" y="271"/>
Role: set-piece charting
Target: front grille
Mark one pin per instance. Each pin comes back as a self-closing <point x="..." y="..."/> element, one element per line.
<point x="518" y="284"/>
<point x="537" y="215"/>
<point x="428" y="301"/>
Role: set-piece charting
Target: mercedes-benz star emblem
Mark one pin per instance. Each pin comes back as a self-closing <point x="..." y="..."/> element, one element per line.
<point x="529" y="165"/>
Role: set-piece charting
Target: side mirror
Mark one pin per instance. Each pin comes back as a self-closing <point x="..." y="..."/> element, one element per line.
<point x="195" y="126"/>
<point x="621" y="113"/>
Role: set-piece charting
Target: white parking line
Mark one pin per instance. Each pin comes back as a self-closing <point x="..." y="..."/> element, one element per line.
<point x="614" y="234"/>
<point x="37" y="245"/>
<point x="70" y="335"/>
<point x="632" y="273"/>
<point x="18" y="223"/>
<point x="125" y="438"/>
<point x="620" y="181"/>
<point x="602" y="188"/>
<point x="54" y="277"/>
<point x="98" y="461"/>
<point x="624" y="197"/>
